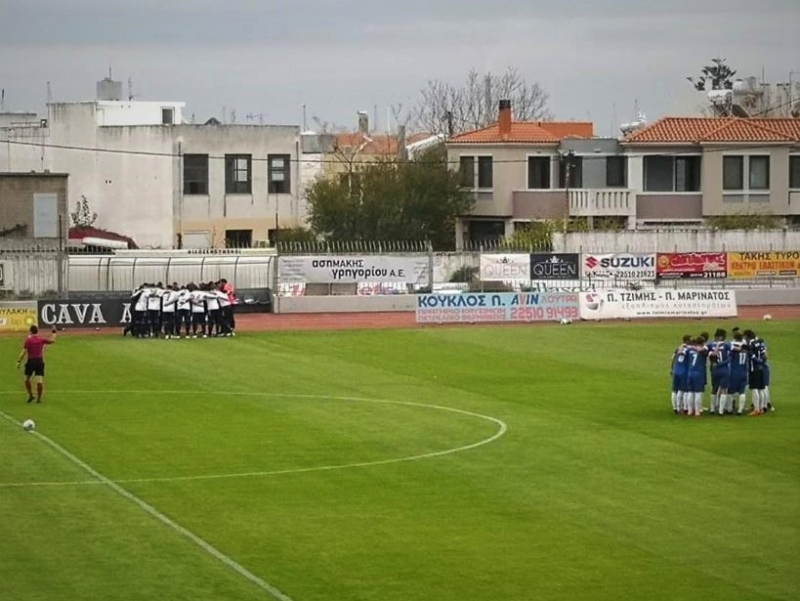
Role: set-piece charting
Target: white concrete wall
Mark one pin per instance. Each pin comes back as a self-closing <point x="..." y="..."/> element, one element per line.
<point x="131" y="174"/>
<point x="136" y="112"/>
<point x="677" y="241"/>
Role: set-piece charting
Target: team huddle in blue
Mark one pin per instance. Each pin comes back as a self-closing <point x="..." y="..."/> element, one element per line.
<point x="734" y="366"/>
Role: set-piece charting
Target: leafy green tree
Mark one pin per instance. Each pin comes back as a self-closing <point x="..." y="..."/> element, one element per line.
<point x="390" y="201"/>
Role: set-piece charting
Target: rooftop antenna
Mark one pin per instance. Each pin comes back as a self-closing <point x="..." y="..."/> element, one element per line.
<point x="49" y="93"/>
<point x="130" y="88"/>
<point x="3" y="100"/>
<point x="375" y="117"/>
<point x="305" y="118"/>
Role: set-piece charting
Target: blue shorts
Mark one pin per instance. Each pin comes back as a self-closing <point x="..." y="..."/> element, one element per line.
<point x="765" y="369"/>
<point x="696" y="382"/>
<point x="738" y="384"/>
<point x="679" y="383"/>
<point x="720" y="379"/>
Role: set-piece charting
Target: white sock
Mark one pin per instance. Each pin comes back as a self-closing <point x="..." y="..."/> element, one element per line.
<point x="679" y="400"/>
<point x="674" y="401"/>
<point x="742" y="401"/>
<point x="723" y="403"/>
<point x="756" y="400"/>
<point x="765" y="396"/>
<point x="698" y="403"/>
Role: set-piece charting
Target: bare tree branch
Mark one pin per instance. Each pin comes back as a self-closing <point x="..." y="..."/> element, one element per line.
<point x="443" y="106"/>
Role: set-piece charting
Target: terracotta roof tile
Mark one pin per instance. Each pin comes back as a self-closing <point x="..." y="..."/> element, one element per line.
<point x="699" y="130"/>
<point x="527" y="132"/>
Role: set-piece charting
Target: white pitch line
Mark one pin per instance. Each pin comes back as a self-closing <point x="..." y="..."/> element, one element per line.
<point x="147" y="508"/>
<point x="502" y="429"/>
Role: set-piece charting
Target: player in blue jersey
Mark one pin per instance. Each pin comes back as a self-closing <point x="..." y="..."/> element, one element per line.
<point x="679" y="372"/>
<point x="755" y="379"/>
<point x="739" y="370"/>
<point x="696" y="355"/>
<point x="765" y="368"/>
<point x="719" y="357"/>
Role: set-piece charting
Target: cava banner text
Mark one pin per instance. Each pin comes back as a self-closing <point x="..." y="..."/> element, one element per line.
<point x="752" y="265"/>
<point x="505" y="267"/>
<point x="347" y="269"/>
<point x="619" y="266"/>
<point x="505" y="306"/>
<point x="628" y="304"/>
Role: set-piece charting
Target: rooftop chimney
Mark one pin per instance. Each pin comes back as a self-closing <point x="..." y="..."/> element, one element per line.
<point x="363" y="122"/>
<point x="504" y="120"/>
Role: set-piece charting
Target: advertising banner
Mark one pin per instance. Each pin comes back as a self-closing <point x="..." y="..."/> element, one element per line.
<point x="555" y="266"/>
<point x="629" y="304"/>
<point x="504" y="306"/>
<point x="508" y="267"/>
<point x="89" y="313"/>
<point x="619" y="266"/>
<point x="754" y="265"/>
<point x="17" y="317"/>
<point x="692" y="265"/>
<point x="347" y="269"/>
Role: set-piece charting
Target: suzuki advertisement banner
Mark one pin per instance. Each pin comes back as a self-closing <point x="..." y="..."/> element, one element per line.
<point x="619" y="266"/>
<point x="692" y="265"/>
<point x="629" y="304"/>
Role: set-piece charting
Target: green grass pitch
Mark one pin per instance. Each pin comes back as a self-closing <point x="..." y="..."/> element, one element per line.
<point x="456" y="464"/>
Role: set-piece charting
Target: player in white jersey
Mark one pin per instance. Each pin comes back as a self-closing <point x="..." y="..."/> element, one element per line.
<point x="154" y="310"/>
<point x="168" y="311"/>
<point x="183" y="305"/>
<point x="198" y="304"/>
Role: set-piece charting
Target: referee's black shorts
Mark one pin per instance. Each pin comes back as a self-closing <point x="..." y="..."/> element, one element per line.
<point x="34" y="367"/>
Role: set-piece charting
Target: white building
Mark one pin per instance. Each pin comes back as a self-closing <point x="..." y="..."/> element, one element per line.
<point x="154" y="177"/>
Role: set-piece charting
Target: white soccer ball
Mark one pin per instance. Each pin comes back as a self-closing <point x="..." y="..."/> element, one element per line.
<point x="767" y="317"/>
<point x="28" y="425"/>
<point x="565" y="321"/>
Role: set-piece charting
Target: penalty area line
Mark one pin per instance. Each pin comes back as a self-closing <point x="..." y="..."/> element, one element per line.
<point x="152" y="511"/>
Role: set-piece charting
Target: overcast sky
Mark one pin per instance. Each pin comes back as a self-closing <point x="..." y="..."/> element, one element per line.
<point x="595" y="58"/>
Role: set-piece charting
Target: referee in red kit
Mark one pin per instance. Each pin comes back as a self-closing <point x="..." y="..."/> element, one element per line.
<point x="34" y="366"/>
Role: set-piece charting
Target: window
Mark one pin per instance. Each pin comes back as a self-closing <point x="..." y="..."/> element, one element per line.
<point x="794" y="171"/>
<point x="485" y="172"/>
<point x="466" y="171"/>
<point x="759" y="172"/>
<point x="538" y="173"/>
<point x="576" y="173"/>
<point x="238" y="174"/>
<point x="687" y="174"/>
<point x="167" y="116"/>
<point x="279" y="173"/>
<point x="734" y="169"/>
<point x="616" y="172"/>
<point x="238" y="238"/>
<point x="195" y="174"/>
<point x="671" y="173"/>
<point x="732" y="173"/>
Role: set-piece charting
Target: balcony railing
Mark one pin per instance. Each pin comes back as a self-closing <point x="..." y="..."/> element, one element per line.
<point x="611" y="202"/>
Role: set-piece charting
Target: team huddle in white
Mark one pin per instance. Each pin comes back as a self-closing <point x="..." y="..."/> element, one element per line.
<point x="188" y="311"/>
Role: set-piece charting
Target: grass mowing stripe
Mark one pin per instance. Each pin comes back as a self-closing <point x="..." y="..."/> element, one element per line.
<point x="502" y="429"/>
<point x="147" y="508"/>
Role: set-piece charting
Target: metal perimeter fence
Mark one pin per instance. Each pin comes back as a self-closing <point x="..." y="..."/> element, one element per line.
<point x="40" y="272"/>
